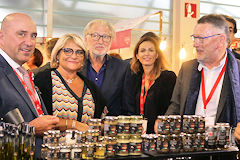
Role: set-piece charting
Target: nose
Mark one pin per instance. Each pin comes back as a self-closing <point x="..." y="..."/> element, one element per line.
<point x="196" y="42"/>
<point x="29" y="41"/>
<point x="100" y="39"/>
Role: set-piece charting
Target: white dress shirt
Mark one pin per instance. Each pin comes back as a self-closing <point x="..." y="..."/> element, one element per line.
<point x="210" y="77"/>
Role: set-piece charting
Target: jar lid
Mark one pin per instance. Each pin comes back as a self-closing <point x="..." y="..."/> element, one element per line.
<point x="111" y="118"/>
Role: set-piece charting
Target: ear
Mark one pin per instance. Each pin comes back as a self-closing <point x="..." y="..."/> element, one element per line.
<point x="137" y="56"/>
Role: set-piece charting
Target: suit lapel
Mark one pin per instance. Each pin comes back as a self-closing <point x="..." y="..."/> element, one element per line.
<point x="223" y="96"/>
<point x="108" y="73"/>
<point x="17" y="85"/>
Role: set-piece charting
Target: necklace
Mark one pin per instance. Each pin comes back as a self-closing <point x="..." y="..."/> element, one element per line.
<point x="69" y="81"/>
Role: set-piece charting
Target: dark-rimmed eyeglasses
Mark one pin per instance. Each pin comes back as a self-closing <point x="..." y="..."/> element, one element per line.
<point x="200" y="39"/>
<point x="96" y="37"/>
<point x="70" y="51"/>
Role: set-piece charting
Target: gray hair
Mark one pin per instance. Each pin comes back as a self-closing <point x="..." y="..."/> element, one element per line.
<point x="101" y="22"/>
<point x="217" y="21"/>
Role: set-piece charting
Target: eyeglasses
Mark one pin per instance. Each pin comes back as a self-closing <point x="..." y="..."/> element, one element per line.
<point x="96" y="37"/>
<point x="70" y="51"/>
<point x="200" y="39"/>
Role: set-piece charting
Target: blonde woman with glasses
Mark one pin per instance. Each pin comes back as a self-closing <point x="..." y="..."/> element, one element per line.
<point x="66" y="93"/>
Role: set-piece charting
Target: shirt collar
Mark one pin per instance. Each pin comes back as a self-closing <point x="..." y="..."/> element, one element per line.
<point x="10" y="61"/>
<point x="201" y="65"/>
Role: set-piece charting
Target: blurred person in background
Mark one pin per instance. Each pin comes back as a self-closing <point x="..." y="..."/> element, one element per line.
<point x="152" y="83"/>
<point x="35" y="61"/>
<point x="48" y="50"/>
<point x="66" y="93"/>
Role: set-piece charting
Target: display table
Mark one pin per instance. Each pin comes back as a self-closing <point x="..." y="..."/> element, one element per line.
<point x="198" y="155"/>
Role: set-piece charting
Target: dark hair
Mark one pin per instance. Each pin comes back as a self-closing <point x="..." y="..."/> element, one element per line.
<point x="231" y="20"/>
<point x="160" y="63"/>
<point x="38" y="58"/>
<point x="151" y="34"/>
<point x="217" y="21"/>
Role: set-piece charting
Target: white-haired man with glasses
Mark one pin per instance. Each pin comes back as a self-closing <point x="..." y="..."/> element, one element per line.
<point x="107" y="72"/>
<point x="209" y="84"/>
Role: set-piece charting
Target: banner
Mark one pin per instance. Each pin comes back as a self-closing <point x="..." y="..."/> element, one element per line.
<point x="123" y="31"/>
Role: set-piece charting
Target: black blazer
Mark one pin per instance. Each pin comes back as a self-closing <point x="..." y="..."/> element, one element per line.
<point x="114" y="84"/>
<point x="44" y="82"/>
<point x="13" y="95"/>
<point x="158" y="96"/>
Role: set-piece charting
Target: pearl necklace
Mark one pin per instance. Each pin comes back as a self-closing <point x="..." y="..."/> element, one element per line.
<point x="69" y="81"/>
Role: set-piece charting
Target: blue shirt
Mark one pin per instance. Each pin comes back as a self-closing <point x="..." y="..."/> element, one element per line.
<point x="96" y="77"/>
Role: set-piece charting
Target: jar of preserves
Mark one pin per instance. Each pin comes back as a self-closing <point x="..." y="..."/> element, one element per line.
<point x="189" y="124"/>
<point x="111" y="143"/>
<point x="123" y="125"/>
<point x="87" y="151"/>
<point x="110" y="126"/>
<point x="95" y="124"/>
<point x="210" y="138"/>
<point x="122" y="148"/>
<point x="152" y="142"/>
<point x="163" y="125"/>
<point x="136" y="125"/>
<point x="81" y="137"/>
<point x="100" y="151"/>
<point x="163" y="143"/>
<point x="135" y="146"/>
<point x="199" y="142"/>
<point x="76" y="151"/>
<point x="223" y="134"/>
<point x="200" y="124"/>
<point x="64" y="152"/>
<point x="175" y="124"/>
<point x="92" y="136"/>
<point x="187" y="142"/>
<point x="174" y="143"/>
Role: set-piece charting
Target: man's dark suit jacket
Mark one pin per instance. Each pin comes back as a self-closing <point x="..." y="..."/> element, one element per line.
<point x="13" y="95"/>
<point x="114" y="85"/>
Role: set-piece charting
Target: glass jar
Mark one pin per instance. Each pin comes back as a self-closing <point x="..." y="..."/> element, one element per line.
<point x="122" y="145"/>
<point x="76" y="152"/>
<point x="199" y="142"/>
<point x="64" y="152"/>
<point x="189" y="124"/>
<point x="110" y="126"/>
<point x="187" y="142"/>
<point x="175" y="124"/>
<point x="81" y="137"/>
<point x="95" y="124"/>
<point x="87" y="151"/>
<point x="92" y="136"/>
<point x="100" y="151"/>
<point x="111" y="143"/>
<point x="123" y="125"/>
<point x="223" y="132"/>
<point x="163" y="143"/>
<point x="200" y="124"/>
<point x="135" y="146"/>
<point x="136" y="125"/>
<point x="174" y="143"/>
<point x="211" y="138"/>
<point x="163" y="125"/>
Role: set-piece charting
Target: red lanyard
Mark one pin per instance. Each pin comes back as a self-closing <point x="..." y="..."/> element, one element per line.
<point x="205" y="101"/>
<point x="33" y="98"/>
<point x="143" y="96"/>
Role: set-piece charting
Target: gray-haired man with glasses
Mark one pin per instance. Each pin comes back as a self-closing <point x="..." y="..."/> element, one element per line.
<point x="107" y="72"/>
<point x="209" y="84"/>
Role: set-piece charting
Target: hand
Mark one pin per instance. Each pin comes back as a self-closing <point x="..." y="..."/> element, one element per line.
<point x="44" y="123"/>
<point x="156" y="126"/>
<point x="237" y="133"/>
<point x="81" y="126"/>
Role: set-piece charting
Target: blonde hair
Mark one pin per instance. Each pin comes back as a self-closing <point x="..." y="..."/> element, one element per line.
<point x="59" y="45"/>
<point x="160" y="63"/>
<point x="100" y="22"/>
